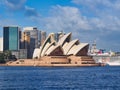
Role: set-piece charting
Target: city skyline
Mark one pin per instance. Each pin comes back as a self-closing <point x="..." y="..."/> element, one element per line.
<point x="88" y="20"/>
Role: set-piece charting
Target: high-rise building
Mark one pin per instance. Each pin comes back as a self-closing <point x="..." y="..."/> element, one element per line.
<point x="43" y="37"/>
<point x="25" y="41"/>
<point x="1" y="44"/>
<point x="39" y="39"/>
<point x="11" y="38"/>
<point x="31" y="34"/>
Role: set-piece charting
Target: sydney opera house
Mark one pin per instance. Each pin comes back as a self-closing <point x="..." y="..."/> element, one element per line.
<point x="66" y="52"/>
<point x="64" y="47"/>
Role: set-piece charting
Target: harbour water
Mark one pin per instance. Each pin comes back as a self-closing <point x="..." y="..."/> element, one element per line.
<point x="60" y="78"/>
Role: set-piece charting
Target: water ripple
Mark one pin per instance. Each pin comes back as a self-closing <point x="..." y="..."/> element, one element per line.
<point x="59" y="78"/>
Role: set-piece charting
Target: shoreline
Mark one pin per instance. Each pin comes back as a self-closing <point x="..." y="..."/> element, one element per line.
<point x="56" y="61"/>
<point x="3" y="64"/>
<point x="54" y="65"/>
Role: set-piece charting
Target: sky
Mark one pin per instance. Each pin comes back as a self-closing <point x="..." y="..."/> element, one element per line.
<point x="88" y="20"/>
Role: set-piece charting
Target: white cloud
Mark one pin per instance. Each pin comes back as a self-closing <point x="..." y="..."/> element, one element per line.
<point x="66" y="18"/>
<point x="106" y="13"/>
<point x="15" y="4"/>
<point x="71" y="19"/>
<point x="95" y="3"/>
<point x="100" y="7"/>
<point x="107" y="22"/>
<point x="20" y="5"/>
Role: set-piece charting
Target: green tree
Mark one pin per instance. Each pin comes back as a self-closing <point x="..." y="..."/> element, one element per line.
<point x="7" y="55"/>
<point x="2" y="58"/>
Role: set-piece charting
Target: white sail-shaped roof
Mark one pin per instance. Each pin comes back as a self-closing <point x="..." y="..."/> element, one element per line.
<point x="50" y="50"/>
<point x="55" y="50"/>
<point x="47" y="46"/>
<point x="36" y="53"/>
<point x="80" y="47"/>
<point x="77" y="48"/>
<point x="65" y="38"/>
<point x="48" y="41"/>
<point x="72" y="50"/>
<point x="67" y="47"/>
<point x="64" y="47"/>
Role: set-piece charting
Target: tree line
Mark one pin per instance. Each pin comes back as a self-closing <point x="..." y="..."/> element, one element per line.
<point x="7" y="56"/>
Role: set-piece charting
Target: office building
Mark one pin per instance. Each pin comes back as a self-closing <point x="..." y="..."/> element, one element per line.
<point x="12" y="41"/>
<point x="25" y="41"/>
<point x="31" y="39"/>
<point x="43" y="37"/>
<point x="25" y="44"/>
<point x="11" y="38"/>
<point x="20" y="54"/>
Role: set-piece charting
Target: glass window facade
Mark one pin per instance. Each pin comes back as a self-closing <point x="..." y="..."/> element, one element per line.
<point x="11" y="38"/>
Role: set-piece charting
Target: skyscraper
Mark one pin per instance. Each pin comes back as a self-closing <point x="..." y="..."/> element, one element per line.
<point x="11" y="38"/>
<point x="43" y="37"/>
<point x="25" y="41"/>
<point x="32" y="33"/>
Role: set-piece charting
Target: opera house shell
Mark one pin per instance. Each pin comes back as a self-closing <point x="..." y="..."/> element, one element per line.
<point x="64" y="47"/>
<point x="64" y="52"/>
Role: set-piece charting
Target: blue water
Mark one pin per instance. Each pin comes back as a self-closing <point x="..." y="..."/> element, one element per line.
<point x="59" y="78"/>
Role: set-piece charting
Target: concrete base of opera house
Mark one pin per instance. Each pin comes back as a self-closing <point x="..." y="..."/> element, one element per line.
<point x="56" y="61"/>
